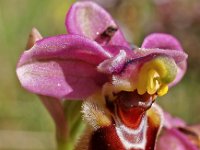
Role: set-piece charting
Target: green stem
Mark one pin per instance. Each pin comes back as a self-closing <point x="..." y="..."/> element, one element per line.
<point x="68" y="145"/>
<point x="56" y="111"/>
<point x="66" y="134"/>
<point x="75" y="132"/>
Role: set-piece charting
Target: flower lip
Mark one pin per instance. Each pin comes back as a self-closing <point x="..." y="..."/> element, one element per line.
<point x="130" y="107"/>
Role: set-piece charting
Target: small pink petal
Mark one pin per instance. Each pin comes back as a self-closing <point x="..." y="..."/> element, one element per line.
<point x="114" y="64"/>
<point x="162" y="41"/>
<point x="178" y="56"/>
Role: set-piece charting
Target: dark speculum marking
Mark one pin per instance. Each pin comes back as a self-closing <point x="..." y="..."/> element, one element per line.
<point x="106" y="35"/>
<point x="152" y="132"/>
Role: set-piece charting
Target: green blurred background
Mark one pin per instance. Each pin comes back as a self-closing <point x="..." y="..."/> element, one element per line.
<point x="25" y="123"/>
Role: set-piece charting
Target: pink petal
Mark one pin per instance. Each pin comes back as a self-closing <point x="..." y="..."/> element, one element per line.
<point x="62" y="67"/>
<point x="120" y="55"/>
<point x="114" y="64"/>
<point x="172" y="122"/>
<point x="193" y="133"/>
<point x="89" y="19"/>
<point x="166" y="41"/>
<point x="174" y="140"/>
<point x="162" y="41"/>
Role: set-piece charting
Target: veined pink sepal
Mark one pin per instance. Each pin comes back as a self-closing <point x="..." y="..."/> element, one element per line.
<point x="92" y="21"/>
<point x="62" y="66"/>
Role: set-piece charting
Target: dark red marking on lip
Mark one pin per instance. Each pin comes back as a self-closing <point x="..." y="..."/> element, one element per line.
<point x="105" y="138"/>
<point x="152" y="132"/>
<point x="131" y="118"/>
<point x="131" y="107"/>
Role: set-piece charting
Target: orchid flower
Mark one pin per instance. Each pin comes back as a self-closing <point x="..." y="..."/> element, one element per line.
<point x="118" y="84"/>
<point x="178" y="135"/>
